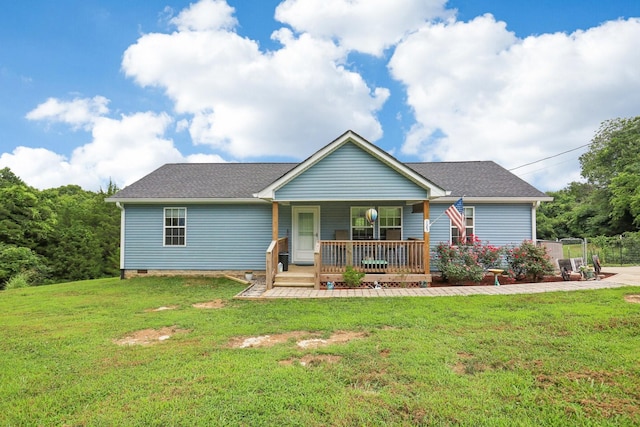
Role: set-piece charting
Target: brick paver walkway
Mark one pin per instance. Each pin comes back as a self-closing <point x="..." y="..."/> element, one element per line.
<point x="629" y="279"/>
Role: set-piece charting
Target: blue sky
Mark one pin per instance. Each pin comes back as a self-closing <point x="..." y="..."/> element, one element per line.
<point x="95" y="90"/>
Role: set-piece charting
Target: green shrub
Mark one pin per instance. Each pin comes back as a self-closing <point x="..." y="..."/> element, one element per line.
<point x="463" y="270"/>
<point x="15" y="260"/>
<point x="458" y="263"/>
<point x="529" y="261"/>
<point x="20" y="280"/>
<point x="352" y="277"/>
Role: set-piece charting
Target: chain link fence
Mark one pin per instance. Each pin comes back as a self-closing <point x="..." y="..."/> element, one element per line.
<point x="617" y="250"/>
<point x="613" y="251"/>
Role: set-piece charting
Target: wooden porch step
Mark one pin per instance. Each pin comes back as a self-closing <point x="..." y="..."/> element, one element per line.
<point x="294" y="280"/>
<point x="277" y="284"/>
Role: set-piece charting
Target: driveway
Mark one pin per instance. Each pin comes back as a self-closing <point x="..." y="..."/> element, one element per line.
<point x="627" y="275"/>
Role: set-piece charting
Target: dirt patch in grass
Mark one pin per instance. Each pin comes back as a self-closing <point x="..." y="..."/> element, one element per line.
<point x="590" y="377"/>
<point x="150" y="336"/>
<point x="312" y="360"/>
<point x="599" y="377"/>
<point x="634" y="299"/>
<point x="303" y="339"/>
<point x="605" y="405"/>
<point x="469" y="367"/>
<point x="545" y="381"/>
<point x="163" y="308"/>
<point x="609" y="407"/>
<point x="468" y="364"/>
<point x="210" y="304"/>
<point x="459" y="368"/>
<point x="267" y="340"/>
<point x="618" y="323"/>
<point x="339" y="337"/>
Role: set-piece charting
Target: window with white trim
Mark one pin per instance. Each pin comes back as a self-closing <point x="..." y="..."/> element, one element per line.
<point x="469" y="219"/>
<point x="389" y="219"/>
<point x="175" y="226"/>
<point x="360" y="227"/>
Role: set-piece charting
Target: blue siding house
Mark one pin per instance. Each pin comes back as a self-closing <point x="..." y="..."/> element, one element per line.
<point x="229" y="217"/>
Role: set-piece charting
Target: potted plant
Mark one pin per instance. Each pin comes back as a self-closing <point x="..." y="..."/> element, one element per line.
<point x="587" y="272"/>
<point x="248" y="275"/>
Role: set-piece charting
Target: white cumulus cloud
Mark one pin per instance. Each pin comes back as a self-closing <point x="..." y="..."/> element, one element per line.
<point x="479" y="92"/>
<point x="206" y="15"/>
<point x="119" y="149"/>
<point x="79" y="113"/>
<point x="368" y="26"/>
<point x="40" y="168"/>
<point x="248" y="102"/>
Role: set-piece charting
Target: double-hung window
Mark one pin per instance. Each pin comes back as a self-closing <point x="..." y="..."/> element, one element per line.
<point x="175" y="226"/>
<point x="390" y="222"/>
<point x="360" y="227"/>
<point x="469" y="219"/>
<point x="388" y="225"/>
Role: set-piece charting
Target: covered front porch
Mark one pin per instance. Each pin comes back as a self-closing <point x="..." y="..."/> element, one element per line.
<point x="395" y="257"/>
<point x="319" y="216"/>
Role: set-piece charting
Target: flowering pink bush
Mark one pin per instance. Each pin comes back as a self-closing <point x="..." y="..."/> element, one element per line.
<point x="529" y="261"/>
<point x="467" y="261"/>
<point x="489" y="256"/>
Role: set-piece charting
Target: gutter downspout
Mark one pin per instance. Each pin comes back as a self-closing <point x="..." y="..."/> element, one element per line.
<point x="534" y="227"/>
<point x="122" y="233"/>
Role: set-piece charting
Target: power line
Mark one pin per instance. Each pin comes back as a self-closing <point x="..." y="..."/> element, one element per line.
<point x="551" y="157"/>
<point x="544" y="168"/>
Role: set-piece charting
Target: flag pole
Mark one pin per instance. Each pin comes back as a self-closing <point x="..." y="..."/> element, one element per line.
<point x="436" y="220"/>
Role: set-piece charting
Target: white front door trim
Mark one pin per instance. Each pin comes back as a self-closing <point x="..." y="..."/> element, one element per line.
<point x="306" y="232"/>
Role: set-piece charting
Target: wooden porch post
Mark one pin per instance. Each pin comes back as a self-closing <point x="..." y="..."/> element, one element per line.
<point x="274" y="220"/>
<point x="426" y="250"/>
<point x="272" y="259"/>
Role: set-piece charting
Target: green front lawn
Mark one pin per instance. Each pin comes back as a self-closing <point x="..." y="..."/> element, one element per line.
<point x="547" y="359"/>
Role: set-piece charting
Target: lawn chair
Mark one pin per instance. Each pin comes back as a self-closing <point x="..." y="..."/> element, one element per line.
<point x="596" y="265"/>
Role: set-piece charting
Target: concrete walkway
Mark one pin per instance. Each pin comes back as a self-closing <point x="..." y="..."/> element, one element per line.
<point x="628" y="275"/>
<point x="624" y="276"/>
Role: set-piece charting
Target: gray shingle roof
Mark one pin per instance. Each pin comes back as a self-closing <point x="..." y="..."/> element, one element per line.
<point x="476" y="179"/>
<point x="242" y="180"/>
<point x="205" y="181"/>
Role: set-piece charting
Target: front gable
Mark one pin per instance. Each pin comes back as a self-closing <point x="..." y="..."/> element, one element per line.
<point x="351" y="168"/>
<point x="349" y="173"/>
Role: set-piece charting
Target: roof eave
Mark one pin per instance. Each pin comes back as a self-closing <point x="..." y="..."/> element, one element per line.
<point x="499" y="199"/>
<point x="172" y="200"/>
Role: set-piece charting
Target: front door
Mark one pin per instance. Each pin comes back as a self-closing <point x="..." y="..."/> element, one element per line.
<point x="306" y="232"/>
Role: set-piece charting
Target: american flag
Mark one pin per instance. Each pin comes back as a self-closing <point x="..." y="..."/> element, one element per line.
<point x="456" y="213"/>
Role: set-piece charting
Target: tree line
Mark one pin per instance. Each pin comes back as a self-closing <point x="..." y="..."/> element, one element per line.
<point x="56" y="235"/>
<point x="608" y="202"/>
